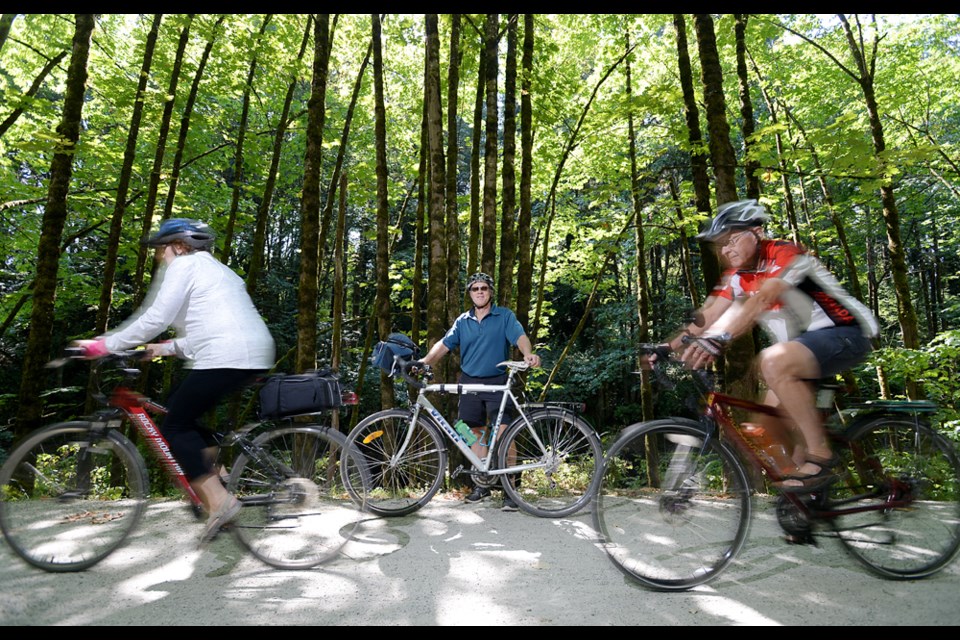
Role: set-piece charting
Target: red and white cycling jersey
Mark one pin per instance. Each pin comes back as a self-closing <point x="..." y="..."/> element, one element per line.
<point x="814" y="301"/>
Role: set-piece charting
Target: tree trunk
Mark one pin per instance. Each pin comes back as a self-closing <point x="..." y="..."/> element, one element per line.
<point x="488" y="251"/>
<point x="750" y="165"/>
<point x="257" y="257"/>
<point x="454" y="292"/>
<point x="473" y="234"/>
<point x="738" y="364"/>
<point x="436" y="316"/>
<point x="32" y="91"/>
<point x="698" y="153"/>
<point x="339" y="289"/>
<point x="891" y="216"/>
<point x="185" y="119"/>
<point x="308" y="289"/>
<point x="524" y="259"/>
<point x="157" y="171"/>
<point x="238" y="174"/>
<point x="32" y="380"/>
<point x="6" y="21"/>
<point x="382" y="305"/>
<point x="643" y="293"/>
<point x="123" y="183"/>
<point x="508" y="233"/>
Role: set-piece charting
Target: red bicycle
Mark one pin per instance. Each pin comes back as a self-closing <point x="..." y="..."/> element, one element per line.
<point x="675" y="500"/>
<point x="71" y="493"/>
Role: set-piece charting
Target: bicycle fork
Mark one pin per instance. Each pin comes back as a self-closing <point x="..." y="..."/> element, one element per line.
<point x="681" y="481"/>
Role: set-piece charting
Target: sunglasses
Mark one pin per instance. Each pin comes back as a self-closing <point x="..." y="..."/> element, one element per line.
<point x="482" y="288"/>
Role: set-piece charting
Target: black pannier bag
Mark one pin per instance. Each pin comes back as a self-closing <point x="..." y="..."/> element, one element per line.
<point x="282" y="396"/>
<point x="396" y="344"/>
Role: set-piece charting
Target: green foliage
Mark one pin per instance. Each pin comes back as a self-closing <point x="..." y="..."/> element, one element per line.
<point x="936" y="368"/>
<point x="811" y="128"/>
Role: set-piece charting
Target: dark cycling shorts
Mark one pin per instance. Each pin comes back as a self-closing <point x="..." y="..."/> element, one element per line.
<point x="836" y="348"/>
<point x="480" y="409"/>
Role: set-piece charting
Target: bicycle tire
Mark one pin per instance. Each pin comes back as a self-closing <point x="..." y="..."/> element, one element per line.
<point x="397" y="486"/>
<point x="902" y="542"/>
<point x="569" y="447"/>
<point x="70" y="495"/>
<point x="683" y="524"/>
<point x="296" y="512"/>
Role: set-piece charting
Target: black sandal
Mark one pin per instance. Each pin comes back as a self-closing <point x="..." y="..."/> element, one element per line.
<point x="813" y="481"/>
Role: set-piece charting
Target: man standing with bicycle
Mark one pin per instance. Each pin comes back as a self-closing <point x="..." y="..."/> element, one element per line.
<point x="484" y="335"/>
<point x="816" y="327"/>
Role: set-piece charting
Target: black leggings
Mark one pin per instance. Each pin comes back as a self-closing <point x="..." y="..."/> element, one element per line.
<point x="201" y="391"/>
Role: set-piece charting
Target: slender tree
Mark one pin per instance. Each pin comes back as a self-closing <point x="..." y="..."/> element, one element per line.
<point x="454" y="296"/>
<point x="30" y="403"/>
<point x="737" y="364"/>
<point x="436" y="311"/>
<point x="263" y="211"/>
<point x="488" y="250"/>
<point x="383" y="213"/>
<point x="185" y="117"/>
<point x="308" y="289"/>
<point x="508" y="233"/>
<point x="238" y="178"/>
<point x="157" y="171"/>
<point x="524" y="257"/>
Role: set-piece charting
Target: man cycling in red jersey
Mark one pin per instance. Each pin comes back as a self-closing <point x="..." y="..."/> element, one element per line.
<point x="816" y="328"/>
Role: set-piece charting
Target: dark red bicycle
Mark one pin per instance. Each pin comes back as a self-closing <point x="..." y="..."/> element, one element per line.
<point x="71" y="493"/>
<point x="675" y="501"/>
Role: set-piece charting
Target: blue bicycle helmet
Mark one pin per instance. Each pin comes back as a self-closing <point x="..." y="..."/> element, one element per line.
<point x="193" y="233"/>
<point x="733" y="216"/>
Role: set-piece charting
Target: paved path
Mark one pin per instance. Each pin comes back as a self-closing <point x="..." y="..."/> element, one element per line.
<point x="456" y="564"/>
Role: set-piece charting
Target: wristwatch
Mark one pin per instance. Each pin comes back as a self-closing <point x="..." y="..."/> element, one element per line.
<point x="721" y="337"/>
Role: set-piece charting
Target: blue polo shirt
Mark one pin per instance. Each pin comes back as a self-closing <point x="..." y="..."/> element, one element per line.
<point x="484" y="343"/>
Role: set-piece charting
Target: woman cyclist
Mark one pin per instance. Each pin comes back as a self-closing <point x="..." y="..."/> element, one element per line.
<point x="219" y="334"/>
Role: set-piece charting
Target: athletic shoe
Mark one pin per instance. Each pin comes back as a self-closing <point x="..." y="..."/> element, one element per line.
<point x="478" y="494"/>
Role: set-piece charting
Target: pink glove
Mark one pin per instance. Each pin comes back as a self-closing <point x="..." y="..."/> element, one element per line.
<point x="93" y="349"/>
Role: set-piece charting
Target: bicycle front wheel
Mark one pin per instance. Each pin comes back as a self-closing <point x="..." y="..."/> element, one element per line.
<point x="296" y="512"/>
<point x="904" y="478"/>
<point x="563" y="455"/>
<point x="403" y="461"/>
<point x="70" y="494"/>
<point x="673" y="507"/>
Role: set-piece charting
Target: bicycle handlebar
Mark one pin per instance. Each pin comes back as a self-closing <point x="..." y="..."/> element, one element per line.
<point x="404" y="367"/>
<point x="664" y="354"/>
<point x="79" y="353"/>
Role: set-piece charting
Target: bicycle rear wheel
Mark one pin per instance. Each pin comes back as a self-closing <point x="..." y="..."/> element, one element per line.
<point x="403" y="461"/>
<point x="565" y="457"/>
<point x="296" y="512"/>
<point x="70" y="494"/>
<point x="908" y="477"/>
<point x="673" y="507"/>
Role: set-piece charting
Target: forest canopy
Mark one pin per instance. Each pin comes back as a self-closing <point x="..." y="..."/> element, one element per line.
<point x="357" y="168"/>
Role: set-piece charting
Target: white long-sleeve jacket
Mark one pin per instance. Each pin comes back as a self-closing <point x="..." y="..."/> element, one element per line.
<point x="207" y="304"/>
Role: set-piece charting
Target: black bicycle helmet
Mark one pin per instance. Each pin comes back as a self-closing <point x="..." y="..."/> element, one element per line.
<point x="193" y="233"/>
<point x="479" y="277"/>
<point x="732" y="216"/>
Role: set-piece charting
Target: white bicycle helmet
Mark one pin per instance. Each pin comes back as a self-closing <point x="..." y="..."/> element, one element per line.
<point x="479" y="277"/>
<point x="732" y="216"/>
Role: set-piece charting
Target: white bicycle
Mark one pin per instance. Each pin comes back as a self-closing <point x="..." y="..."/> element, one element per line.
<point x="548" y="459"/>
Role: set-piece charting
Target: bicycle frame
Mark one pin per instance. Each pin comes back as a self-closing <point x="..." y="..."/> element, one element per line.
<point x="130" y="405"/>
<point x="718" y="412"/>
<point x="483" y="465"/>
